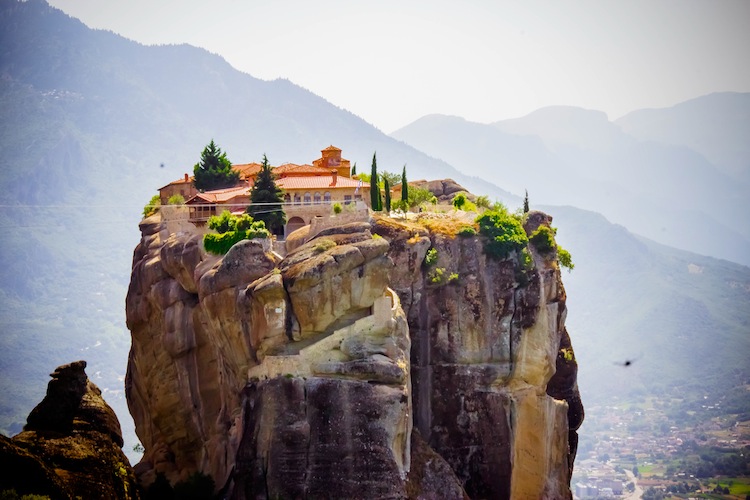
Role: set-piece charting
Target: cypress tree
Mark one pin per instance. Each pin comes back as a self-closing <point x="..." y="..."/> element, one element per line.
<point x="354" y="169"/>
<point x="266" y="198"/>
<point x="526" y="202"/>
<point x="387" y="187"/>
<point x="214" y="171"/>
<point x="375" y="200"/>
<point x="404" y="186"/>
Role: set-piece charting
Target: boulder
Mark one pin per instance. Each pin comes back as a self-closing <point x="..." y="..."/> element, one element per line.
<point x="70" y="446"/>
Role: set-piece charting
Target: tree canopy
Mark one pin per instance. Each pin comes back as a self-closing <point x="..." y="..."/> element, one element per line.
<point x="504" y="233"/>
<point x="266" y="198"/>
<point x="214" y="171"/>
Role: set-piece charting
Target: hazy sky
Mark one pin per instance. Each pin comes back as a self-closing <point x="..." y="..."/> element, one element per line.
<point x="391" y="62"/>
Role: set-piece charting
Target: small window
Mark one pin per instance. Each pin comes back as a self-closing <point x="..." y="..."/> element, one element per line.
<point x="317" y="198"/>
<point x="307" y="199"/>
<point x="347" y="198"/>
<point x="297" y="199"/>
<point x="327" y="196"/>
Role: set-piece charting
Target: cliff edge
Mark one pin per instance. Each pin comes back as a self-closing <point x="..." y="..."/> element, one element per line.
<point x="353" y="365"/>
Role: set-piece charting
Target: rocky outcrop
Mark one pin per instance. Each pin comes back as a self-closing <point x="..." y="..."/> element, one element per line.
<point x="201" y="324"/>
<point x="352" y="367"/>
<point x="443" y="189"/>
<point x="491" y="339"/>
<point x="70" y="446"/>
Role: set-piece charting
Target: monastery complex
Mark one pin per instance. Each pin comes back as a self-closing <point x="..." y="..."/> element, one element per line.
<point x="309" y="190"/>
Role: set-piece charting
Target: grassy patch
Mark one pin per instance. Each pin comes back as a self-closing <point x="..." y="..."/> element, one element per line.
<point x="443" y="224"/>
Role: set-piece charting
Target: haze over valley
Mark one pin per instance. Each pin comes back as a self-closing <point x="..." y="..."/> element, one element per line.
<point x="652" y="205"/>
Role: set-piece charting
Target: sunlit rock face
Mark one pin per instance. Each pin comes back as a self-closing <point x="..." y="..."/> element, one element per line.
<point x="486" y="345"/>
<point x="71" y="446"/>
<point x="352" y="367"/>
<point x="189" y="358"/>
<point x="225" y="350"/>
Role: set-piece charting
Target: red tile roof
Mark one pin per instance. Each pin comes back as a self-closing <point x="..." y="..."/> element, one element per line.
<point x="291" y="169"/>
<point x="317" y="182"/>
<point x="247" y="169"/>
<point x="220" y="195"/>
<point x="331" y="148"/>
<point x="181" y="180"/>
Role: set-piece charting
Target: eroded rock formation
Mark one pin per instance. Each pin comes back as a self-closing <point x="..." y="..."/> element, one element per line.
<point x="351" y="367"/>
<point x="70" y="446"/>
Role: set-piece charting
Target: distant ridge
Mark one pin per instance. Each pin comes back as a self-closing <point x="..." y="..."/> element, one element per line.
<point x="715" y="125"/>
<point x="667" y="191"/>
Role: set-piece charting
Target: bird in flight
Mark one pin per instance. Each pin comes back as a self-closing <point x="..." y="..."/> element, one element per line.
<point x="627" y="362"/>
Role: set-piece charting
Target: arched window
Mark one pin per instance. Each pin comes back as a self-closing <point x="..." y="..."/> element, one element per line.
<point x="287" y="198"/>
<point x="307" y="199"/>
<point x="297" y="199"/>
<point x="317" y="198"/>
<point x="327" y="196"/>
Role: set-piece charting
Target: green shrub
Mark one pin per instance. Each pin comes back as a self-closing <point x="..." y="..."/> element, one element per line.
<point x="525" y="260"/>
<point x="152" y="206"/>
<point x="176" y="199"/>
<point x="453" y="278"/>
<point x="461" y="202"/>
<point x="219" y="244"/>
<point x="232" y="229"/>
<point x="543" y="239"/>
<point x="431" y="257"/>
<point x="417" y="196"/>
<point x="503" y="231"/>
<point x="482" y="201"/>
<point x="436" y="276"/>
<point x="563" y="257"/>
<point x="223" y="222"/>
<point x="467" y="232"/>
<point x="337" y="208"/>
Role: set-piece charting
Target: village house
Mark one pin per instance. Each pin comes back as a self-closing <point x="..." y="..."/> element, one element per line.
<point x="309" y="190"/>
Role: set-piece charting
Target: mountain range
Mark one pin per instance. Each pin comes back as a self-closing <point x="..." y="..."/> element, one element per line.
<point x="92" y="124"/>
<point x="665" y="190"/>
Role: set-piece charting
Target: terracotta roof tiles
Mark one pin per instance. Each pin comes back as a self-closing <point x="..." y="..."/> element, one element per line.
<point x="317" y="182"/>
<point x="221" y="195"/>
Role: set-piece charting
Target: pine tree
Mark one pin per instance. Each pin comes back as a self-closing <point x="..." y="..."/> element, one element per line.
<point x="214" y="171"/>
<point x="404" y="186"/>
<point x="526" y="202"/>
<point x="354" y="169"/>
<point x="387" y="188"/>
<point x="266" y="198"/>
<point x="375" y="199"/>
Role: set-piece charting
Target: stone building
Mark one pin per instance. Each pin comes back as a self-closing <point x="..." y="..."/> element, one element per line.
<point x="310" y="190"/>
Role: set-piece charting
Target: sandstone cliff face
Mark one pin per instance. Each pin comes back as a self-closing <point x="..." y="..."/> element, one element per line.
<point x="485" y="348"/>
<point x="309" y="375"/>
<point x="70" y="446"/>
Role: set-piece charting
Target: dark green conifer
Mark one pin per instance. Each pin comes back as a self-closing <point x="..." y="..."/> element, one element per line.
<point x="404" y="186"/>
<point x="266" y="198"/>
<point x="375" y="199"/>
<point x="387" y="188"/>
<point x="214" y="171"/>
